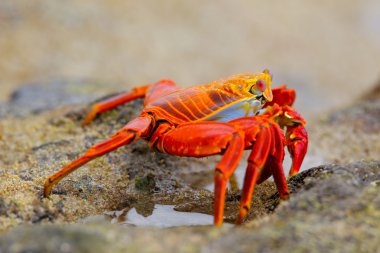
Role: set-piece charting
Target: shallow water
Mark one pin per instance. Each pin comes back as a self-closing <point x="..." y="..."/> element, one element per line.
<point x="162" y="216"/>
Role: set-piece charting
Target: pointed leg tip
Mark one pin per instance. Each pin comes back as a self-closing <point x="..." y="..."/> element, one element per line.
<point x="242" y="214"/>
<point x="218" y="220"/>
<point x="218" y="223"/>
<point x="284" y="196"/>
<point x="84" y="123"/>
<point x="47" y="189"/>
<point x="46" y="192"/>
<point x="89" y="118"/>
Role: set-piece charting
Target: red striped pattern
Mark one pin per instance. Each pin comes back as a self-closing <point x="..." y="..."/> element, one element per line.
<point x="193" y="103"/>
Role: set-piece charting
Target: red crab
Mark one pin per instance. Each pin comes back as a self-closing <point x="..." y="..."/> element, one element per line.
<point x="223" y="117"/>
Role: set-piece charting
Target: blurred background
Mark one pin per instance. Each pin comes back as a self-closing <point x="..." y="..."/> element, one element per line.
<point x="329" y="51"/>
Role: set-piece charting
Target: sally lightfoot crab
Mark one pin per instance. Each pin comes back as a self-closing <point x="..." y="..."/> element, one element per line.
<point x="224" y="117"/>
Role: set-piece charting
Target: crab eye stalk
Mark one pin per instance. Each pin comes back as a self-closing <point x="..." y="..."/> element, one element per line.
<point x="261" y="88"/>
<point x="266" y="71"/>
<point x="258" y="88"/>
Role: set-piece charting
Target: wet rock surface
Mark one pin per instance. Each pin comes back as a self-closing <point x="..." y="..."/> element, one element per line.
<point x="332" y="207"/>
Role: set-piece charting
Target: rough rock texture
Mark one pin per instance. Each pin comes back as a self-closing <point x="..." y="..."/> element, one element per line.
<point x="334" y="208"/>
<point x="348" y="134"/>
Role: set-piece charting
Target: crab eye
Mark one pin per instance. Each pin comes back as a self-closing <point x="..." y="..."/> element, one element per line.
<point x="261" y="85"/>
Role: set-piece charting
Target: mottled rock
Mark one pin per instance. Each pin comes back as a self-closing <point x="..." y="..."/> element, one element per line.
<point x="349" y="134"/>
<point x="333" y="208"/>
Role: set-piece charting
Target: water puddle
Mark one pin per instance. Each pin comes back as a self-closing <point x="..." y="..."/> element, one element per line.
<point x="163" y="216"/>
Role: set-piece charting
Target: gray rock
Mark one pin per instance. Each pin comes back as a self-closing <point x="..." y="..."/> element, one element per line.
<point x="333" y="208"/>
<point x="40" y="97"/>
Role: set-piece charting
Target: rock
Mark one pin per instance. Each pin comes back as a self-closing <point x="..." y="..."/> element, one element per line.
<point x="40" y="97"/>
<point x="333" y="208"/>
<point x="374" y="94"/>
<point x="348" y="134"/>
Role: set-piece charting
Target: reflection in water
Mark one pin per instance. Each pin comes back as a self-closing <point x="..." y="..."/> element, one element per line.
<point x="162" y="216"/>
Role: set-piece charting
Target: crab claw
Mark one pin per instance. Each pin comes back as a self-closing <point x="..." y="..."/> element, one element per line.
<point x="297" y="141"/>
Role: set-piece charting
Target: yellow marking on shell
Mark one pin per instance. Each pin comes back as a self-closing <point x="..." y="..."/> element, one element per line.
<point x="251" y="81"/>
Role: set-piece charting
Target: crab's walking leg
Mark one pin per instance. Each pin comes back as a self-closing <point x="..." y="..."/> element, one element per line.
<point x="274" y="163"/>
<point x="159" y="89"/>
<point x="223" y="171"/>
<point x="150" y="92"/>
<point x="108" y="104"/>
<point x="130" y="133"/>
<point x="256" y="162"/>
<point x="275" y="159"/>
<point x="205" y="139"/>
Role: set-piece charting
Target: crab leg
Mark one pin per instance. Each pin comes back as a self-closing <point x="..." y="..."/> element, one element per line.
<point x="150" y="92"/>
<point x="159" y="89"/>
<point x="205" y="139"/>
<point x="223" y="171"/>
<point x="274" y="162"/>
<point x="130" y="133"/>
<point x="110" y="103"/>
<point x="270" y="166"/>
<point x="256" y="162"/>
